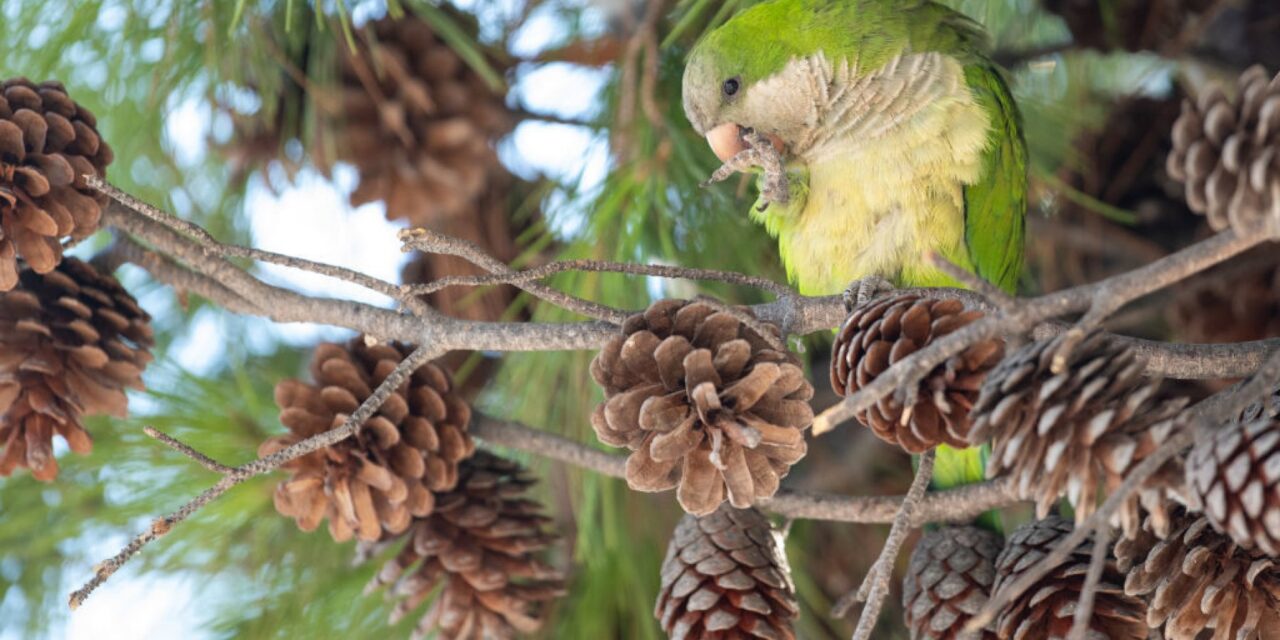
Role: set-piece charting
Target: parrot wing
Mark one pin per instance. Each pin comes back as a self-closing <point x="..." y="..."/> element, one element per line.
<point x="996" y="205"/>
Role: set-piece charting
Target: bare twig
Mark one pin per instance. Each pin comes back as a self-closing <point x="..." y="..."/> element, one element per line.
<point x="875" y="586"/>
<point x="186" y="450"/>
<point x="1088" y="594"/>
<point x="654" y="270"/>
<point x="429" y="241"/>
<point x="991" y="292"/>
<point x="161" y="526"/>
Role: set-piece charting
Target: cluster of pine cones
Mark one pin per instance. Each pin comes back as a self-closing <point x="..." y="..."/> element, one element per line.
<point x="71" y="338"/>
<point x="412" y="476"/>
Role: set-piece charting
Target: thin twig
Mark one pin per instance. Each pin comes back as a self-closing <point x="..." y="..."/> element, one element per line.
<point x="601" y="266"/>
<point x="952" y="505"/>
<point x="187" y="450"/>
<point x="429" y="241"/>
<point x="875" y="587"/>
<point x="991" y="292"/>
<point x="213" y="247"/>
<point x="161" y="526"/>
<point x="1084" y="608"/>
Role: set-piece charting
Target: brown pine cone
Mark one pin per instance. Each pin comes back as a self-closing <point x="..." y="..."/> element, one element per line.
<point x="392" y="468"/>
<point x="1046" y="610"/>
<point x="481" y="542"/>
<point x="726" y="576"/>
<point x="1078" y="431"/>
<point x="704" y="403"/>
<point x="1196" y="579"/>
<point x="48" y="144"/>
<point x="1228" y="152"/>
<point x="1231" y="474"/>
<point x="948" y="581"/>
<point x="71" y="341"/>
<point x="1131" y="25"/>
<point x="887" y="330"/>
<point x="417" y="122"/>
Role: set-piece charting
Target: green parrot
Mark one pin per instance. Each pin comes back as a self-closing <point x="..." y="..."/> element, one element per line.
<point x="882" y="131"/>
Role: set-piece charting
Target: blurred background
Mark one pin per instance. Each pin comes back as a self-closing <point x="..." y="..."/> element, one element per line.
<point x="542" y="130"/>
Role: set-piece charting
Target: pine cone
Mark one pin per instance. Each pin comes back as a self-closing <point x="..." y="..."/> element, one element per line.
<point x="1131" y="25"/>
<point x="1046" y="610"/>
<point x="1075" y="432"/>
<point x="885" y="331"/>
<point x="948" y="581"/>
<point x="704" y="403"/>
<point x="1228" y="153"/>
<point x="71" y="340"/>
<point x="1197" y="579"/>
<point x="481" y="542"/>
<point x="1231" y="475"/>
<point x="48" y="144"/>
<point x="725" y="576"/>
<point x="419" y="124"/>
<point x="390" y="470"/>
<point x="1268" y="407"/>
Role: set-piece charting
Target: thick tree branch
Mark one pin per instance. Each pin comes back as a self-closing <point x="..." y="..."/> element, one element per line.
<point x="183" y="262"/>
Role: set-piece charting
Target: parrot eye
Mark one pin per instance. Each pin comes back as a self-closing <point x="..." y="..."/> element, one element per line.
<point x="731" y="86"/>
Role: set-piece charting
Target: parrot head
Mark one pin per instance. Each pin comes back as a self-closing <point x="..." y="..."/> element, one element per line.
<point x="723" y="95"/>
<point x="757" y="73"/>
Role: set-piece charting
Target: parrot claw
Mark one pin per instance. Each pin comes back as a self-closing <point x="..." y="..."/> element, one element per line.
<point x="760" y="152"/>
<point x="864" y="290"/>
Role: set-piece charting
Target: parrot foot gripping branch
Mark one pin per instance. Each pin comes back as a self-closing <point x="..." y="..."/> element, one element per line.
<point x="863" y="290"/>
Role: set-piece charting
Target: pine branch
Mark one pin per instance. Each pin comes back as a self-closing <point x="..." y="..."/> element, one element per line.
<point x="234" y="476"/>
<point x="951" y="505"/>
<point x="188" y="265"/>
<point x="1098" y="300"/>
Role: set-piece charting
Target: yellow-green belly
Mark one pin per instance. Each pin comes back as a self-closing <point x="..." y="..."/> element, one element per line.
<point x="877" y="207"/>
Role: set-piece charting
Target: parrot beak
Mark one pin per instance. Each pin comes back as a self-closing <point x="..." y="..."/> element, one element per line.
<point x="726" y="141"/>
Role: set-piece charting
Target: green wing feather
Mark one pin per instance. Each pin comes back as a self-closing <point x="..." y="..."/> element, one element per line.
<point x="996" y="206"/>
